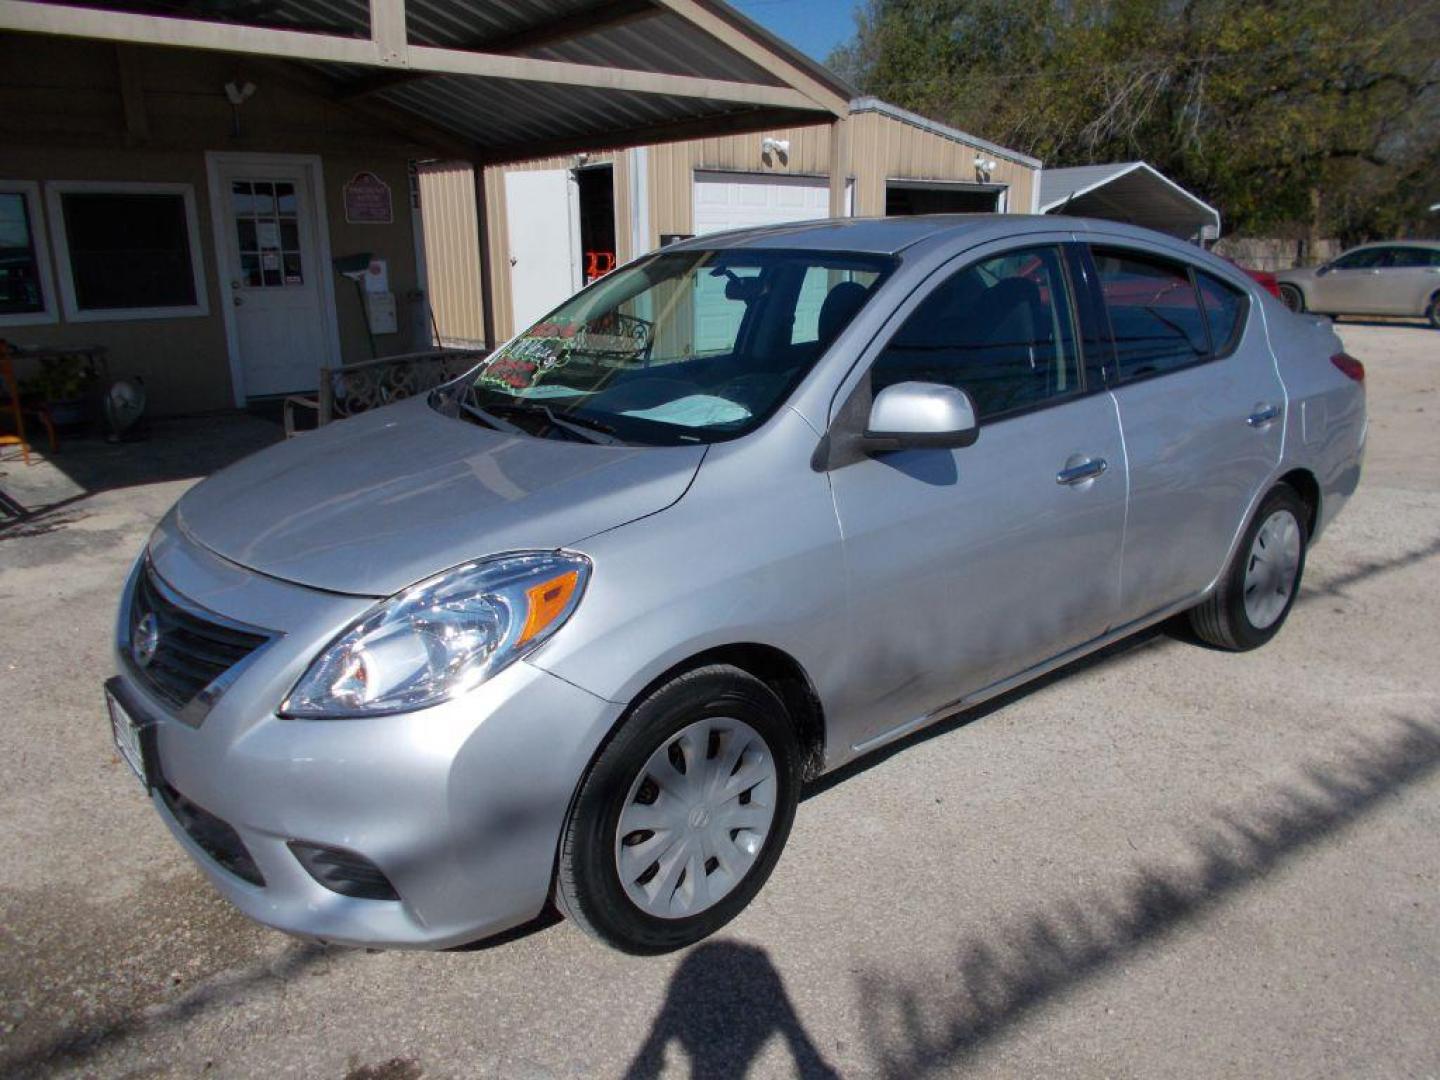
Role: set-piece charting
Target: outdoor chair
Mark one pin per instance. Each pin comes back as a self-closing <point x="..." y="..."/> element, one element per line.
<point x="11" y="404"/>
<point x="356" y="388"/>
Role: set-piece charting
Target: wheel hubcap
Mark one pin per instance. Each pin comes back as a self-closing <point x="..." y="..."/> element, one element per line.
<point x="696" y="818"/>
<point x="1270" y="573"/>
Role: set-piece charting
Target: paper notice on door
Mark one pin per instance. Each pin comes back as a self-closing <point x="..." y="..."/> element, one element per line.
<point x="269" y="261"/>
<point x="267" y="234"/>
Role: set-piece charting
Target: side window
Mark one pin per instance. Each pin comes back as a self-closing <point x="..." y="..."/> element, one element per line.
<point x="1225" y="308"/>
<point x="1000" y="330"/>
<point x="1155" y="314"/>
<point x="1365" y="259"/>
<point x="1416" y="258"/>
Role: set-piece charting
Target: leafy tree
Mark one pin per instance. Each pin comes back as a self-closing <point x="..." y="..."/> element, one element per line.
<point x="1291" y="115"/>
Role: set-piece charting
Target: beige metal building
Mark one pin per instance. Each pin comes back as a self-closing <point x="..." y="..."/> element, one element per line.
<point x="559" y="221"/>
<point x="179" y="182"/>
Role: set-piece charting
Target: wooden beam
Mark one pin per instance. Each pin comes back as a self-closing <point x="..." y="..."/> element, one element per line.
<point x="387" y="27"/>
<point x="487" y="274"/>
<point x="724" y="30"/>
<point x="615" y="13"/>
<point x="735" y="123"/>
<point x="45" y="18"/>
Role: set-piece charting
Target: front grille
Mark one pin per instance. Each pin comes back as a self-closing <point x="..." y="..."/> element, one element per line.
<point x="213" y="836"/>
<point x="191" y="648"/>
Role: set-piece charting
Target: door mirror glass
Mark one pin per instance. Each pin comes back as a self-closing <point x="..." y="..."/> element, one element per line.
<point x="921" y="414"/>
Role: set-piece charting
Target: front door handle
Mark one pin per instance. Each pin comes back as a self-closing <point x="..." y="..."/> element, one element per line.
<point x="1263" y="415"/>
<point x="1088" y="469"/>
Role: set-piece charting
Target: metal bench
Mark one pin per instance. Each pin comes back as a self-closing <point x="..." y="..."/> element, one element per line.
<point x="369" y="384"/>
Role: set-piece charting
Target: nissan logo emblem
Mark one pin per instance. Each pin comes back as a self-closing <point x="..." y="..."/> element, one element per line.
<point x="145" y="640"/>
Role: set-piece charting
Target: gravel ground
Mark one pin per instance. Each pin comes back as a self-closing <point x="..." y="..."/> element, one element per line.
<point x="1162" y="861"/>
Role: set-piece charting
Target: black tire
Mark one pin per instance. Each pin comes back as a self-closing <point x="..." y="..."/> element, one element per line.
<point x="588" y="885"/>
<point x="1221" y="620"/>
<point x="1292" y="298"/>
<point x="1433" y="311"/>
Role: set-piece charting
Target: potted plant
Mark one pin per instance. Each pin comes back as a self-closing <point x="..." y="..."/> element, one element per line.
<point x="63" y="383"/>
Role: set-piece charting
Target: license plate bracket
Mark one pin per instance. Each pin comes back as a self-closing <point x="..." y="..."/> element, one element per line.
<point x="134" y="737"/>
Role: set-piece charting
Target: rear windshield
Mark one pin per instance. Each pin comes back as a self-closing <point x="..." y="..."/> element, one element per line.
<point x="684" y="347"/>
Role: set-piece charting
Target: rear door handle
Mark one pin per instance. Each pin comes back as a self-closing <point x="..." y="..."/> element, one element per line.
<point x="1263" y="415"/>
<point x="1085" y="470"/>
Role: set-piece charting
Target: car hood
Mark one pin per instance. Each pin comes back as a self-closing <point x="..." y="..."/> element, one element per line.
<point x="373" y="504"/>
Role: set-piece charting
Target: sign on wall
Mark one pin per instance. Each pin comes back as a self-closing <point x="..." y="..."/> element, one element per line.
<point x="367" y="200"/>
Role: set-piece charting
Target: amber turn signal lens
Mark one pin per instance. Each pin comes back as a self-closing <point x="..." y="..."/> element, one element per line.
<point x="546" y="602"/>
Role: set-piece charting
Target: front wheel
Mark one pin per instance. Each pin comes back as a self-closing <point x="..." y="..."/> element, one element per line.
<point x="1258" y="588"/>
<point x="683" y="814"/>
<point x="1292" y="298"/>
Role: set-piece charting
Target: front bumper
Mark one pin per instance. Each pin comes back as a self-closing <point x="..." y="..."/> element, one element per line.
<point x="460" y="805"/>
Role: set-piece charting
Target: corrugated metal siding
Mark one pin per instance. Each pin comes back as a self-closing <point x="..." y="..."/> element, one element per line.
<point x="452" y="252"/>
<point x="879" y="148"/>
<point x="893" y="150"/>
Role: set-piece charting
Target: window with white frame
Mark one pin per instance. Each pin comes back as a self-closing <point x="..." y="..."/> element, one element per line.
<point x="127" y="250"/>
<point x="26" y="292"/>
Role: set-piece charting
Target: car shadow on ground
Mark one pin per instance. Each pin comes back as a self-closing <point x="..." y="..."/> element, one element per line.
<point x="917" y="1025"/>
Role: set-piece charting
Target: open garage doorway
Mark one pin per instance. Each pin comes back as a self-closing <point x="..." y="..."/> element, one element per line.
<point x="596" y="185"/>
<point x="906" y="197"/>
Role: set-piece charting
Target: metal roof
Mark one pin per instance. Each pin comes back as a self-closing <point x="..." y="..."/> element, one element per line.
<point x="873" y="104"/>
<point x="499" y="80"/>
<point x="1130" y="191"/>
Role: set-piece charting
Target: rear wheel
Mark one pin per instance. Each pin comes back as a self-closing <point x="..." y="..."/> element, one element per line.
<point x="1255" y="594"/>
<point x="1292" y="297"/>
<point x="1433" y="311"/>
<point x="683" y="815"/>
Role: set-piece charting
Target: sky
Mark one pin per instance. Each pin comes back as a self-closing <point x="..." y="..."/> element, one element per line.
<point x="812" y="26"/>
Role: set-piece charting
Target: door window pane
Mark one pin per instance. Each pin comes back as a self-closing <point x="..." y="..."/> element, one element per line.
<point x="1416" y="258"/>
<point x="19" y="267"/>
<point x="129" y="249"/>
<point x="1225" y="307"/>
<point x="1000" y="330"/>
<point x="1368" y="259"/>
<point x="1155" y="316"/>
<point x="267" y="233"/>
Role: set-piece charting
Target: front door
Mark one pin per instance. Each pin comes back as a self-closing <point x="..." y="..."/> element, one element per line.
<point x="969" y="566"/>
<point x="272" y="273"/>
<point x="1353" y="284"/>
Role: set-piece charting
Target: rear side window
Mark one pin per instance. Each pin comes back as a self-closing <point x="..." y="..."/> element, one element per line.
<point x="1001" y="330"/>
<point x="1225" y="308"/>
<point x="1412" y="258"/>
<point x="1155" y="313"/>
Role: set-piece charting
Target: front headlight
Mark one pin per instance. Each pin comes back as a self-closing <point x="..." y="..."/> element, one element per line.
<point x="441" y="637"/>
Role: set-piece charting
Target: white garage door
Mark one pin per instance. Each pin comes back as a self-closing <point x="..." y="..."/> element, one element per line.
<point x="744" y="200"/>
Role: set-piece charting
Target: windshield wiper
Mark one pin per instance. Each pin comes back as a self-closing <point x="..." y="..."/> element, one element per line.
<point x="489" y="419"/>
<point x="594" y="431"/>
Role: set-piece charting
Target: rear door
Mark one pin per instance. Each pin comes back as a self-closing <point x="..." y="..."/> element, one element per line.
<point x="967" y="566"/>
<point x="1202" y="410"/>
<point x="1415" y="278"/>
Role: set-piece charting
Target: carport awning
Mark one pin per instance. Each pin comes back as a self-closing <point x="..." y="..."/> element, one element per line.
<point x="497" y="80"/>
<point x="1132" y="192"/>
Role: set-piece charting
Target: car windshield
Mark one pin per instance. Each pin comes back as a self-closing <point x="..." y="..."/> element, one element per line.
<point x="688" y="346"/>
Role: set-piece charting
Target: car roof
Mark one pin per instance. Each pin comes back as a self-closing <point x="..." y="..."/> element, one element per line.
<point x="892" y="235"/>
<point x="1432" y="244"/>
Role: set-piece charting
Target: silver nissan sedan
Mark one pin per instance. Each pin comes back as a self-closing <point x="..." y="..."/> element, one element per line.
<point x="576" y="627"/>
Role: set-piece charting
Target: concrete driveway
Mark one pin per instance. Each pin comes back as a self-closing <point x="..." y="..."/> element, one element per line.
<point x="1164" y="861"/>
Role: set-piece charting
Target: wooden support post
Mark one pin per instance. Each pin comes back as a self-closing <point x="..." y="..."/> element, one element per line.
<point x="839" y="166"/>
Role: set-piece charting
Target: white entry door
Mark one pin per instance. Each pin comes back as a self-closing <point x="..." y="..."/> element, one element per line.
<point x="274" y="262"/>
<point x="746" y="200"/>
<point x="543" y="217"/>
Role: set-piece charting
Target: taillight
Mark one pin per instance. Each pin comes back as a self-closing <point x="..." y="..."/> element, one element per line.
<point x="1349" y="366"/>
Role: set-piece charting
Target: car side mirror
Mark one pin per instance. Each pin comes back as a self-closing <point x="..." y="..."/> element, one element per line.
<point x="921" y="414"/>
<point x="1323" y="269"/>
